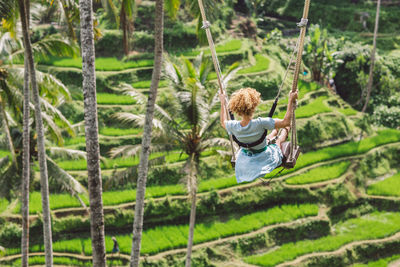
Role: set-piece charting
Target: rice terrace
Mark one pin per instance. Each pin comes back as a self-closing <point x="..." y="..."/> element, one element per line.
<point x="202" y="133"/>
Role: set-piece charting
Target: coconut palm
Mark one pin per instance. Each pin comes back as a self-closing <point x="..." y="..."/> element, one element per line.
<point x="92" y="134"/>
<point x="186" y="124"/>
<point x="373" y="54"/>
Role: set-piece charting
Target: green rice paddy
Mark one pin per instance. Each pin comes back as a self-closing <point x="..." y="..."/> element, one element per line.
<point x="323" y="173"/>
<point x="109" y="131"/>
<point x="372" y="226"/>
<point x="379" y="263"/>
<point x="387" y="187"/>
<point x="159" y="238"/>
<point x="114" y="99"/>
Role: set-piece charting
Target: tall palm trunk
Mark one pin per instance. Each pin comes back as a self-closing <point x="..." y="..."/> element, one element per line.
<point x="92" y="134"/>
<point x="25" y="172"/>
<point x="146" y="140"/>
<point x="44" y="184"/>
<point x="373" y="52"/>
<point x="125" y="30"/>
<point x="192" y="186"/>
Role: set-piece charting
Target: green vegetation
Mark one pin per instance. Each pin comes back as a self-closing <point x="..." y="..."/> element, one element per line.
<point x="146" y="84"/>
<point x="4" y="153"/>
<point x="372" y="226"/>
<point x="65" y="261"/>
<point x="3" y="204"/>
<point x="102" y="63"/>
<point x="230" y="46"/>
<point x="262" y="64"/>
<point x="379" y="263"/>
<point x="315" y="107"/>
<point x="159" y="238"/>
<point x="113" y="99"/>
<point x="387" y="187"/>
<point x="347" y="111"/>
<point x="120" y="132"/>
<point x="348" y="149"/>
<point x="323" y="173"/>
<point x="74" y="141"/>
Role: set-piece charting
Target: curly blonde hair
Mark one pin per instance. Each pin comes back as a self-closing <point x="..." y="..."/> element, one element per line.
<point x="244" y="101"/>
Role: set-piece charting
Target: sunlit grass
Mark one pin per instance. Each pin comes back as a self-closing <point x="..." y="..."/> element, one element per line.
<point x="3" y="204"/>
<point x="387" y="187"/>
<point x="159" y="238"/>
<point x="371" y="226"/>
<point x="323" y="173"/>
<point x="262" y="64"/>
<point x="4" y="153"/>
<point x="230" y="46"/>
<point x="120" y="132"/>
<point x="315" y="107"/>
<point x="347" y="111"/>
<point x="102" y="63"/>
<point x="146" y="84"/>
<point x="114" y="99"/>
<point x="74" y="141"/>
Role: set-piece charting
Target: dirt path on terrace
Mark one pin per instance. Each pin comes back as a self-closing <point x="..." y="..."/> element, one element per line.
<point x="340" y="251"/>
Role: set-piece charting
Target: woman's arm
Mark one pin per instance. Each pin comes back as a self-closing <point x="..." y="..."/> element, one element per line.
<point x="222" y="115"/>
<point x="288" y="116"/>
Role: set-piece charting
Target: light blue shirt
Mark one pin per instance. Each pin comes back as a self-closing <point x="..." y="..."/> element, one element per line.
<point x="252" y="131"/>
<point x="250" y="166"/>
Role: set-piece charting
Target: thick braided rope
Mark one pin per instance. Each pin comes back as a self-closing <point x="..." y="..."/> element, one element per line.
<point x="206" y="27"/>
<point x="302" y="24"/>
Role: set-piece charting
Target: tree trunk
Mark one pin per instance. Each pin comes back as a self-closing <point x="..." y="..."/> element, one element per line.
<point x="25" y="172"/>
<point x="146" y="140"/>
<point x="373" y="52"/>
<point x="125" y="31"/>
<point x="44" y="184"/>
<point x="91" y="133"/>
<point x="192" y="222"/>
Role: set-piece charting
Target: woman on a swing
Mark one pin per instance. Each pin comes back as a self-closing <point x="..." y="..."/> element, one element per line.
<point x="256" y="161"/>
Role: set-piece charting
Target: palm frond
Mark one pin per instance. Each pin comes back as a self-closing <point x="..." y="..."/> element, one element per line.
<point x="49" y="46"/>
<point x="130" y="174"/>
<point x="125" y="151"/>
<point x="215" y="142"/>
<point x="209" y="124"/>
<point x="63" y="178"/>
<point x="231" y="72"/>
<point x="66" y="153"/>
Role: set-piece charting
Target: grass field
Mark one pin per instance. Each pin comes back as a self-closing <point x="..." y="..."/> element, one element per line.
<point x="3" y="204"/>
<point x="372" y="226"/>
<point x="230" y="46"/>
<point x="379" y="263"/>
<point x="387" y="187"/>
<point x="114" y="99"/>
<point x="323" y="173"/>
<point x="120" y="132"/>
<point x="4" y="153"/>
<point x="347" y="111"/>
<point x="159" y="238"/>
<point x="146" y="84"/>
<point x="102" y="63"/>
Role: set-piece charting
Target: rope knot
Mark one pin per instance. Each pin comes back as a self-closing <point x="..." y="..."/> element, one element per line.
<point x="303" y="23"/>
<point x="206" y="24"/>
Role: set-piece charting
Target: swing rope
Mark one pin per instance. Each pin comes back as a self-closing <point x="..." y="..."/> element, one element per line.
<point x="206" y="27"/>
<point x="302" y="24"/>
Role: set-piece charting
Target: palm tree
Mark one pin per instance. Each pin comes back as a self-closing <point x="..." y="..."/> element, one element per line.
<point x="124" y="18"/>
<point x="40" y="133"/>
<point x="373" y="52"/>
<point x="187" y="124"/>
<point x="92" y="134"/>
<point x="146" y="140"/>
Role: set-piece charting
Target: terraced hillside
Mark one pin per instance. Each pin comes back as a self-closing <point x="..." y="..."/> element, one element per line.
<point x="338" y="207"/>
